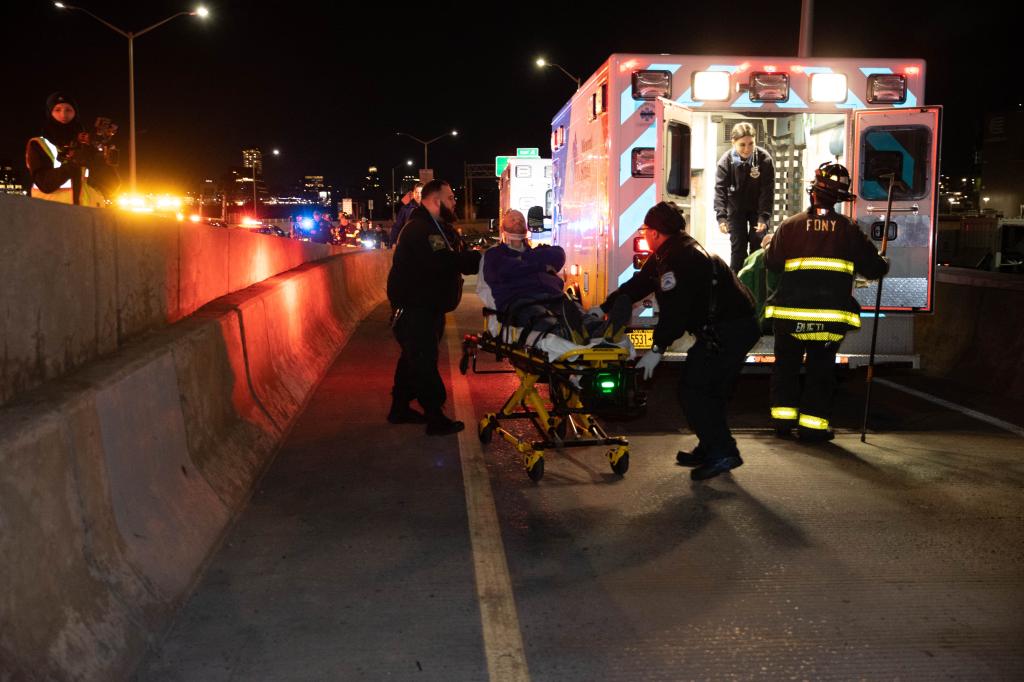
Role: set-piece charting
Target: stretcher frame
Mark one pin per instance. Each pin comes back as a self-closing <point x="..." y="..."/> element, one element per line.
<point x="566" y="422"/>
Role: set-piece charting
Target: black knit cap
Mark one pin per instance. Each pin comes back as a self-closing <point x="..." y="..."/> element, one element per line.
<point x="56" y="98"/>
<point x="666" y="218"/>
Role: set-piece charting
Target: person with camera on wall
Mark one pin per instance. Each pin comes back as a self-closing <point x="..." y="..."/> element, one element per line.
<point x="68" y="164"/>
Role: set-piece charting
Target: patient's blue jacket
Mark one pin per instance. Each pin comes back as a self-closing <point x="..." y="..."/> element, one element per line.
<point x="530" y="274"/>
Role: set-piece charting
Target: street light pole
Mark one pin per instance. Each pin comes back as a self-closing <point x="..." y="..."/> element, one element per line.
<point x="543" y="63"/>
<point x="200" y="12"/>
<point x="427" y="143"/>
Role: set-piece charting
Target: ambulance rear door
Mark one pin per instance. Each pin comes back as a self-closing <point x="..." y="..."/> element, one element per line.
<point x="673" y="155"/>
<point x="905" y="142"/>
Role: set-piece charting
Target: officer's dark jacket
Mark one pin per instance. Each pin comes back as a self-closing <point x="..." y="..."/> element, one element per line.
<point x="817" y="253"/>
<point x="736" y="191"/>
<point x="428" y="260"/>
<point x="679" y="274"/>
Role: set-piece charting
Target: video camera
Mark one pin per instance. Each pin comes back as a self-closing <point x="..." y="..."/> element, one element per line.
<point x="88" y="146"/>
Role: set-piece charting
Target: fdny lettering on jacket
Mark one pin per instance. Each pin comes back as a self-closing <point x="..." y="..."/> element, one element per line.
<point x="821" y="225"/>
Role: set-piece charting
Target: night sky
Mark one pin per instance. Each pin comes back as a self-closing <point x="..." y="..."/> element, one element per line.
<point x="330" y="85"/>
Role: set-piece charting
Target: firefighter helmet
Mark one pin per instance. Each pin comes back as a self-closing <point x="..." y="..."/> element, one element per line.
<point x="832" y="180"/>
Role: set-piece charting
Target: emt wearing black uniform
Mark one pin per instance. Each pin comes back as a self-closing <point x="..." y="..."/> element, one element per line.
<point x="425" y="282"/>
<point x="699" y="294"/>
<point x="744" y="193"/>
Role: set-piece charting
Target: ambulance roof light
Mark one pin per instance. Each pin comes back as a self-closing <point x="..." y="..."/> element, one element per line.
<point x="652" y="84"/>
<point x="887" y="88"/>
<point x="768" y="86"/>
<point x="710" y="86"/>
<point x="828" y="87"/>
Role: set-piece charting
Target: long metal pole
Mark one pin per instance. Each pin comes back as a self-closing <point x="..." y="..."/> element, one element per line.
<point x="806" y="28"/>
<point x="131" y="111"/>
<point x="878" y="306"/>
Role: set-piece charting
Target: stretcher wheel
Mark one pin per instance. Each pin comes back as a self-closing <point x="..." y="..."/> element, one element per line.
<point x="621" y="465"/>
<point x="486" y="432"/>
<point x="536" y="472"/>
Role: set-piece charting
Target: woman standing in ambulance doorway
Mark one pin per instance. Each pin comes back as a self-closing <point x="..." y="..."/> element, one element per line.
<point x="744" y="193"/>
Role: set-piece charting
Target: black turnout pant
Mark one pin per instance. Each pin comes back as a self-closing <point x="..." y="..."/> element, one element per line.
<point x="419" y="331"/>
<point x="811" y="407"/>
<point x="709" y="380"/>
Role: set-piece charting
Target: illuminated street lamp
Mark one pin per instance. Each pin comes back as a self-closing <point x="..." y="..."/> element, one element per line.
<point x="200" y="12"/>
<point x="427" y="143"/>
<point x="543" y="63"/>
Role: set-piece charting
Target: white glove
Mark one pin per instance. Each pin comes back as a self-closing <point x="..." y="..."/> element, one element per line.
<point x="647" y="363"/>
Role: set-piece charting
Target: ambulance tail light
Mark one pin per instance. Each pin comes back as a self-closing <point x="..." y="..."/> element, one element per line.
<point x="649" y="85"/>
<point x="828" y="87"/>
<point x="887" y="88"/>
<point x="640" y="245"/>
<point x="769" y="86"/>
<point x="574" y="270"/>
<point x="642" y="165"/>
<point x="710" y="86"/>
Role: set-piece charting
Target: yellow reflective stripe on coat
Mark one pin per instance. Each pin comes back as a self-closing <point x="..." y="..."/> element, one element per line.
<point x="812" y="315"/>
<point x="818" y="336"/>
<point x="785" y="413"/>
<point x="817" y="423"/>
<point x="830" y="264"/>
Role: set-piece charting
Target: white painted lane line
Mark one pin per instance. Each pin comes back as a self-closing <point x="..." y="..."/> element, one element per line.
<point x="1006" y="426"/>
<point x="503" y="640"/>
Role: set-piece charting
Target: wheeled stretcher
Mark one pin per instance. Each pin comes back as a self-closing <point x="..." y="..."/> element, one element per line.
<point x="583" y="382"/>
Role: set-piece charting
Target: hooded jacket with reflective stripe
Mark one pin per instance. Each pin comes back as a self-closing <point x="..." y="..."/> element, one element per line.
<point x="54" y="181"/>
<point x="817" y="254"/>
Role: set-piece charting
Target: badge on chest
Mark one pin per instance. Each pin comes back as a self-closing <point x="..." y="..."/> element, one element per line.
<point x="437" y="242"/>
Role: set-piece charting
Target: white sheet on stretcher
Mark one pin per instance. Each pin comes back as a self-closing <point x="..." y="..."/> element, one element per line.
<point x="553" y="345"/>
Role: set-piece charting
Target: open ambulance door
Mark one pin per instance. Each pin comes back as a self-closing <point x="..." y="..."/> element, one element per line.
<point x="673" y="155"/>
<point x="904" y="142"/>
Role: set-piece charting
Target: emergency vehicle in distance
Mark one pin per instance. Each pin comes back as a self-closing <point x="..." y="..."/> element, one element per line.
<point x="648" y="128"/>
<point x="525" y="183"/>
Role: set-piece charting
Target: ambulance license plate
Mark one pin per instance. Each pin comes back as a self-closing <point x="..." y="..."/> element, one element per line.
<point x="642" y="339"/>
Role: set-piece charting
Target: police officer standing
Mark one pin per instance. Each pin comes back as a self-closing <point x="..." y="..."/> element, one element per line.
<point x="425" y="282"/>
<point x="696" y="293"/>
<point x="817" y="253"/>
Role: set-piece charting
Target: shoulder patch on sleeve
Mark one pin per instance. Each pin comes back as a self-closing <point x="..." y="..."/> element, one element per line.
<point x="668" y="281"/>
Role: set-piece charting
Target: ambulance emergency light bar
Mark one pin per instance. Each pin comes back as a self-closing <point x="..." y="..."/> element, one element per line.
<point x="828" y="87"/>
<point x="710" y="86"/>
<point x="650" y="85"/>
<point x="886" y="88"/>
<point x="768" y="86"/>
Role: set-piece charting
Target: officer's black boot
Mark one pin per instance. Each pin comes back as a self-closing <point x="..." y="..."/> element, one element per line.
<point x="440" y="425"/>
<point x="694" y="458"/>
<point x="401" y="413"/>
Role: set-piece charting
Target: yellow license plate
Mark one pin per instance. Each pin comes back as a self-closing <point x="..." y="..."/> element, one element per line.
<point x="642" y="339"/>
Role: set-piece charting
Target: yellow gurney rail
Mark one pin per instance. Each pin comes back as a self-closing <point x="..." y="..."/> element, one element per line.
<point x="581" y="383"/>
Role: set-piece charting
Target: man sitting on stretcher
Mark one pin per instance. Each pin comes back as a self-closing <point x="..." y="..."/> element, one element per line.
<point x="527" y="290"/>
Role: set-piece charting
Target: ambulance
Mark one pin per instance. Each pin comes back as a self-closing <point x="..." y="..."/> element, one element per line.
<point x="526" y="182"/>
<point x="650" y="128"/>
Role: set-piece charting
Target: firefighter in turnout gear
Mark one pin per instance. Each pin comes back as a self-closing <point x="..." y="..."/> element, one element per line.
<point x="816" y="254"/>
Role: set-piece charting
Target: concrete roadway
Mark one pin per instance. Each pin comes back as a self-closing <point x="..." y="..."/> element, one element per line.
<point x="357" y="559"/>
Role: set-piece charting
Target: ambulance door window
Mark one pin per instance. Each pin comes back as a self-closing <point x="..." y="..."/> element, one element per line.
<point x="677" y="179"/>
<point x="903" y="150"/>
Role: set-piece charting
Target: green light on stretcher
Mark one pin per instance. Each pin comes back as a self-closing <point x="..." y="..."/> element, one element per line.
<point x="607" y="383"/>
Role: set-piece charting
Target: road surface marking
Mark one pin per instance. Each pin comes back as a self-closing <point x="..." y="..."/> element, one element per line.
<point x="1006" y="426"/>
<point x="503" y="640"/>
